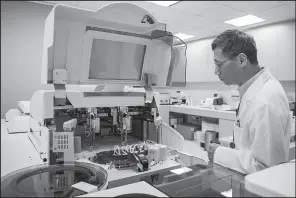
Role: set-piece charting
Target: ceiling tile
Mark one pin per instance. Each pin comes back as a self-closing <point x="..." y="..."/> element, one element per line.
<point x="161" y="13"/>
<point x="210" y="31"/>
<point x="194" y="22"/>
<point x="204" y="19"/>
<point x="288" y="2"/>
<point x="250" y="6"/>
<point x="201" y="35"/>
<point x="257" y="25"/>
<point x="150" y="7"/>
<point x="209" y="9"/>
<point x="280" y="13"/>
<point x="196" y="7"/>
<point x="224" y="13"/>
<point x="175" y="16"/>
<point x="178" y="28"/>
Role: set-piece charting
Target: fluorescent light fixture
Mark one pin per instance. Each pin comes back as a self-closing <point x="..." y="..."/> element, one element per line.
<point x="163" y="3"/>
<point x="245" y="20"/>
<point x="184" y="36"/>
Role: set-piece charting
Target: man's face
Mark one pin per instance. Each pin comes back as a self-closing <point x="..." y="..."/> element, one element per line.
<point x="226" y="69"/>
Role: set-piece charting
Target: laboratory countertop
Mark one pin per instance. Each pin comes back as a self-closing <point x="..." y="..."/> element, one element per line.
<point x="12" y="159"/>
<point x="196" y="180"/>
<point x="199" y="111"/>
<point x="13" y="147"/>
<point x="277" y="181"/>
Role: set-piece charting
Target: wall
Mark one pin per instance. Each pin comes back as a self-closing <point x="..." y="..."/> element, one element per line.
<point x="22" y="26"/>
<point x="204" y="84"/>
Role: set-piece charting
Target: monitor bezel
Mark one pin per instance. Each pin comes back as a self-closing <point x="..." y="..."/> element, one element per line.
<point x="90" y="35"/>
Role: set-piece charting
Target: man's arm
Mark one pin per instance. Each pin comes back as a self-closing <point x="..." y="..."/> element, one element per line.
<point x="267" y="126"/>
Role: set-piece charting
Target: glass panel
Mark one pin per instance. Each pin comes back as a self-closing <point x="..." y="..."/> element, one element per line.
<point x="112" y="60"/>
<point x="177" y="74"/>
<point x="52" y="180"/>
<point x="219" y="187"/>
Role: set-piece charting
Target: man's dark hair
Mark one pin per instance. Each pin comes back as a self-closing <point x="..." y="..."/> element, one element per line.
<point x="234" y="42"/>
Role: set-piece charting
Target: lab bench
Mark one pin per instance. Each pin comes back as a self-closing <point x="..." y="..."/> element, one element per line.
<point x="277" y="181"/>
<point x="198" y="179"/>
<point x="223" y="120"/>
<point x="17" y="148"/>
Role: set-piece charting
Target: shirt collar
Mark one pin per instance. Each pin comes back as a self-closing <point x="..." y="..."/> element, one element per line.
<point x="242" y="89"/>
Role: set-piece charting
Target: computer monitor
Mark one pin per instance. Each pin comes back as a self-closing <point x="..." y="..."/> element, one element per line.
<point x="115" y="60"/>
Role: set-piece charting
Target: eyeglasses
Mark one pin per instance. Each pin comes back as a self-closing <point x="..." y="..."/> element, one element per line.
<point x="219" y="66"/>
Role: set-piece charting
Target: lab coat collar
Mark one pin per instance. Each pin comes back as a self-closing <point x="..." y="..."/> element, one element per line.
<point x="242" y="89"/>
<point x="256" y="85"/>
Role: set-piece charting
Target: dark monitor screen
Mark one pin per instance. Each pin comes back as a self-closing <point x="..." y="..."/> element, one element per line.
<point x="113" y="60"/>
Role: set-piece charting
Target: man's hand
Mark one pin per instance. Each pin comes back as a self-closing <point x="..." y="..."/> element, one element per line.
<point x="211" y="151"/>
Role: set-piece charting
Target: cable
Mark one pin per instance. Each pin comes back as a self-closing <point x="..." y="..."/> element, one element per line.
<point x="116" y="150"/>
<point x="124" y="149"/>
<point x="128" y="149"/>
<point x="165" y="34"/>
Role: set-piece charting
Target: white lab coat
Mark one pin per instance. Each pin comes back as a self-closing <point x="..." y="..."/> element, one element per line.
<point x="263" y="138"/>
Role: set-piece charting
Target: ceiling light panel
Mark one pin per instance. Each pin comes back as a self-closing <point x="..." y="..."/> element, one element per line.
<point x="245" y="20"/>
<point x="183" y="36"/>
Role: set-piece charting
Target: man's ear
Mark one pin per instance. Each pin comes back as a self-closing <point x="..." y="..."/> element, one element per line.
<point x="242" y="58"/>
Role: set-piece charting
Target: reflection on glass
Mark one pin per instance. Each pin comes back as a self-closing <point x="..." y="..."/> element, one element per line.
<point x="112" y="60"/>
<point x="178" y="67"/>
<point x="51" y="181"/>
<point x="208" y="187"/>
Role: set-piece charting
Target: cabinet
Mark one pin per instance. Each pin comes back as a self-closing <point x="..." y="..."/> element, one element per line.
<point x="200" y="62"/>
<point x="266" y="43"/>
<point x="275" y="51"/>
<point x="286" y="51"/>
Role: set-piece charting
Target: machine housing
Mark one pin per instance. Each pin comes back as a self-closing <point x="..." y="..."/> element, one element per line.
<point x="106" y="50"/>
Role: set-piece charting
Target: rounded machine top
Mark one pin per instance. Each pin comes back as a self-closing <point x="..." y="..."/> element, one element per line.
<point x="120" y="15"/>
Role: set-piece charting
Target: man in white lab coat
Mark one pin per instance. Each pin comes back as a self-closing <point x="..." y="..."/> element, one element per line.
<point x="263" y="127"/>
